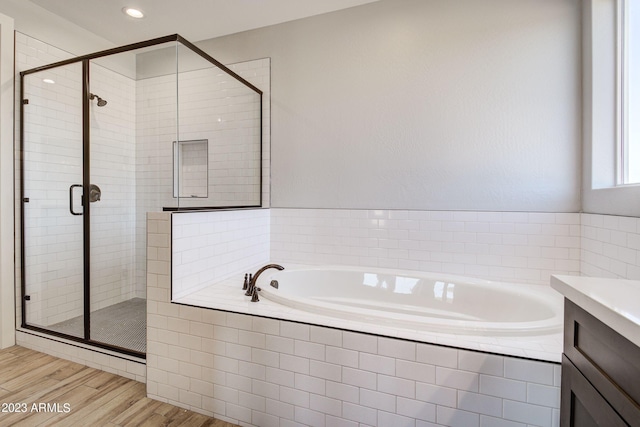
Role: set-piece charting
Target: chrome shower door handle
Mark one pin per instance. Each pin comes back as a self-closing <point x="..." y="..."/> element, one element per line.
<point x="71" y="199"/>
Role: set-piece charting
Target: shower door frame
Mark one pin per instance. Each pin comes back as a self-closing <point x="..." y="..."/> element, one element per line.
<point x="86" y="170"/>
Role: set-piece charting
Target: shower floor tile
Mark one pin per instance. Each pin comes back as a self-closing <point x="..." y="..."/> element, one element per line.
<point x="123" y="325"/>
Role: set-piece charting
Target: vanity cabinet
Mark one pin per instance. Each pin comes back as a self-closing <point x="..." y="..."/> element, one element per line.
<point x="600" y="374"/>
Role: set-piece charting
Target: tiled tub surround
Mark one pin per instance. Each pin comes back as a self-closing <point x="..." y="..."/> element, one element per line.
<point x="260" y="371"/>
<point x="525" y="247"/>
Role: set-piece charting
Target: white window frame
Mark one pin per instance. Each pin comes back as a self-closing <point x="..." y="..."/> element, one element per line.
<point x="622" y="166"/>
<point x="601" y="193"/>
<point x="622" y="100"/>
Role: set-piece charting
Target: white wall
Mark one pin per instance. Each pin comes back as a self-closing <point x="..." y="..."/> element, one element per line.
<point x="416" y="104"/>
<point x="7" y="297"/>
<point x="41" y="24"/>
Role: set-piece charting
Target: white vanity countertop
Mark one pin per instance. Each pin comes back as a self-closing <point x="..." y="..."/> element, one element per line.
<point x="615" y="302"/>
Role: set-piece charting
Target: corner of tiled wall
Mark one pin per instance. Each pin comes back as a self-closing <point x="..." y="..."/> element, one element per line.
<point x="610" y="246"/>
<point x="158" y="256"/>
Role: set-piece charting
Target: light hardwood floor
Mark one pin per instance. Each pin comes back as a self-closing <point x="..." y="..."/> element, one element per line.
<point x="94" y="398"/>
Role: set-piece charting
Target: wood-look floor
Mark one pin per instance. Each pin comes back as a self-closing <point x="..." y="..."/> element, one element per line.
<point x="94" y="397"/>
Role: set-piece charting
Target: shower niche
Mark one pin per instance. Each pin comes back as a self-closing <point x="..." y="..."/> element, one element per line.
<point x="191" y="169"/>
<point x="104" y="139"/>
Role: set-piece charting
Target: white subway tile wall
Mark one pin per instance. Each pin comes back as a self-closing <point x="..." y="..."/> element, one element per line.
<point x="215" y="107"/>
<point x="221" y="109"/>
<point x="113" y="257"/>
<point x="258" y="371"/>
<point x="610" y="246"/>
<point x="507" y="246"/>
<point x="213" y="246"/>
<point x="518" y="247"/>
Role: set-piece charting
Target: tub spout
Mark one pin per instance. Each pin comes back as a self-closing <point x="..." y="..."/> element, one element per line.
<point x="252" y="284"/>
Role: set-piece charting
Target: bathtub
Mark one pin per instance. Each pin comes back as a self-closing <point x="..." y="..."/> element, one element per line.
<point x="418" y="301"/>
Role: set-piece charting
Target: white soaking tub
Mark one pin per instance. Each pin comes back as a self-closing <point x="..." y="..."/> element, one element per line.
<point x="419" y="301"/>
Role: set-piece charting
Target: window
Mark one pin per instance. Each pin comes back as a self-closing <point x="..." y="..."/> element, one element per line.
<point x="629" y="91"/>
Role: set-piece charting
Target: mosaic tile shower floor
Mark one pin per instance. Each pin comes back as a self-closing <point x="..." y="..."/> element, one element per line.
<point x="123" y="325"/>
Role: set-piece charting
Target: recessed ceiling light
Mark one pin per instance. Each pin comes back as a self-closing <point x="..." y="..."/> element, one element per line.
<point x="134" y="13"/>
<point x="48" y="81"/>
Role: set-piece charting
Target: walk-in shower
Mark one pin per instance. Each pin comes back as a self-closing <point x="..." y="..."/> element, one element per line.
<point x="171" y="129"/>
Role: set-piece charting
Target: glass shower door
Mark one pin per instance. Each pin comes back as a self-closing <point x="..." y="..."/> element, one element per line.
<point x="103" y="143"/>
<point x="117" y="261"/>
<point x="53" y="261"/>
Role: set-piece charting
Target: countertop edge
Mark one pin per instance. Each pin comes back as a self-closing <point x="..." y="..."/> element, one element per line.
<point x="568" y="286"/>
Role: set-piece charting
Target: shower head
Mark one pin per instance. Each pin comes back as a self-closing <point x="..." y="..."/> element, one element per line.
<point x="101" y="102"/>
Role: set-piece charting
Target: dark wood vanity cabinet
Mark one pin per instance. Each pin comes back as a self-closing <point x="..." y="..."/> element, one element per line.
<point x="600" y="374"/>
